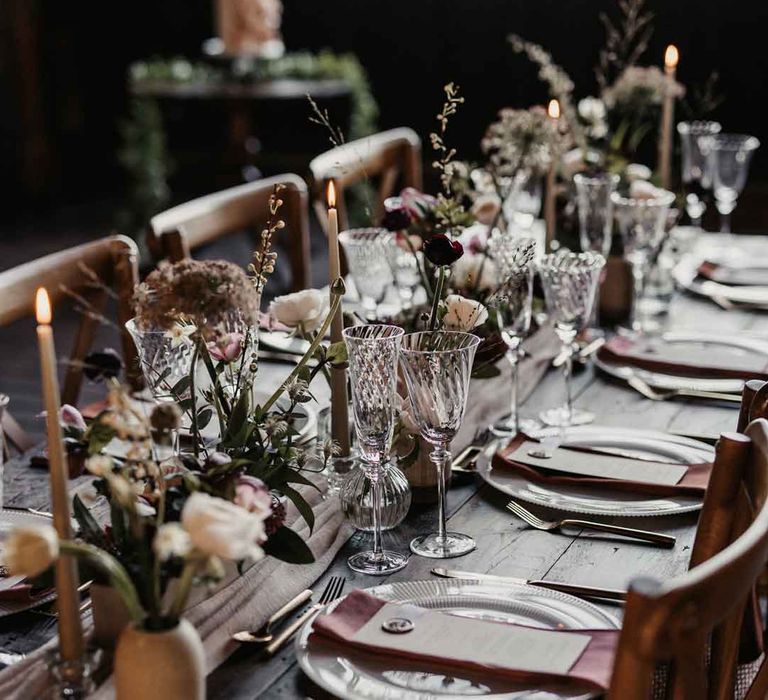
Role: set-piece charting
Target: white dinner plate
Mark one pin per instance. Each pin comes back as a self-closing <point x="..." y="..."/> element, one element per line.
<point x="631" y="442"/>
<point x="356" y="675"/>
<point x="686" y="275"/>
<point x="10" y="519"/>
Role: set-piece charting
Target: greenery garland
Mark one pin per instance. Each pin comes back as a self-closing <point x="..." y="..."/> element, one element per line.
<point x="144" y="153"/>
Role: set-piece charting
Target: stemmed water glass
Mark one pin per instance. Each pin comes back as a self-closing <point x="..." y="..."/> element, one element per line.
<point x="437" y="365"/>
<point x="642" y="224"/>
<point x="373" y="352"/>
<point x="511" y="304"/>
<point x="569" y="281"/>
<point x="405" y="266"/>
<point x="366" y="253"/>
<point x="728" y="158"/>
<point x="695" y="172"/>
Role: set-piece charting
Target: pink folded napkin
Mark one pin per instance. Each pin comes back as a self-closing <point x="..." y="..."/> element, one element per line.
<point x="22" y="593"/>
<point x="693" y="483"/>
<point x="744" y="275"/>
<point x="670" y="358"/>
<point x="355" y="622"/>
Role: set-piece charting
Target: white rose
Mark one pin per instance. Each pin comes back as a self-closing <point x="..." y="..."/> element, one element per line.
<point x="307" y="308"/>
<point x="171" y="540"/>
<point x="463" y="314"/>
<point x="219" y="528"/>
<point x="486" y="208"/>
<point x="640" y="189"/>
<point x="31" y="550"/>
<point x="637" y="171"/>
<point x="591" y="109"/>
<point x="474" y="272"/>
<point x="99" y="465"/>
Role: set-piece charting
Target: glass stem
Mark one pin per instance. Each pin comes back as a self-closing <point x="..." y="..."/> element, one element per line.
<point x="567" y="372"/>
<point x="440" y="457"/>
<point x="514" y="417"/>
<point x="376" y="495"/>
<point x="638" y="285"/>
<point x="725" y="223"/>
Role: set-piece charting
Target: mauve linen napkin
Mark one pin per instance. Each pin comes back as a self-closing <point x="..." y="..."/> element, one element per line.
<point x="744" y="275"/>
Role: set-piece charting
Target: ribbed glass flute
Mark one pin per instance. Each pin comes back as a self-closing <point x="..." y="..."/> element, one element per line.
<point x="511" y="305"/>
<point x="368" y="261"/>
<point x="728" y="158"/>
<point x="437" y="365"/>
<point x="697" y="180"/>
<point x="569" y="281"/>
<point x="642" y="224"/>
<point x="373" y="355"/>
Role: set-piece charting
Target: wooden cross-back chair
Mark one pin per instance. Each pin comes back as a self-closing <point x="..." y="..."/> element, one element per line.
<point x="703" y="611"/>
<point x="176" y="233"/>
<point x="388" y="157"/>
<point x="115" y="260"/>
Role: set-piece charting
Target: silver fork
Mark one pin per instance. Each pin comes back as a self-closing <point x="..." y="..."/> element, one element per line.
<point x="664" y="394"/>
<point x="332" y="591"/>
<point x="550" y="525"/>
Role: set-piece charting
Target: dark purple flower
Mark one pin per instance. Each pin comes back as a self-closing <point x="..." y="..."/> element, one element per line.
<point x="276" y="520"/>
<point x="441" y="250"/>
<point x="396" y="219"/>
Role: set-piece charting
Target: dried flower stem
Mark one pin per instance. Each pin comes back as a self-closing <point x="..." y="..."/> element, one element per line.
<point x="264" y="258"/>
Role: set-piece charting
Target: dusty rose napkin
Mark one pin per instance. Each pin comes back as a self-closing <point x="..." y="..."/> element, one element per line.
<point x="693" y="483"/>
<point x="592" y="668"/>
<point x="22" y="593"/>
<point x="646" y="353"/>
<point x="736" y="276"/>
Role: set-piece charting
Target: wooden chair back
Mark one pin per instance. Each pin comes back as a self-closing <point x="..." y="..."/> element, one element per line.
<point x="679" y="620"/>
<point x="389" y="157"/>
<point x="115" y="260"/>
<point x="176" y="233"/>
<point x="754" y="402"/>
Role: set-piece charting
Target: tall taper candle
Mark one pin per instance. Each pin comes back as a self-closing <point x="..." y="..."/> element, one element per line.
<point x="671" y="58"/>
<point x="339" y="403"/>
<point x="550" y="212"/>
<point x="70" y="627"/>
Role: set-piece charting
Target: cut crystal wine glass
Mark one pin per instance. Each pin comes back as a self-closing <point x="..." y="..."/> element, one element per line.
<point x="569" y="281"/>
<point x="511" y="305"/>
<point x="373" y="354"/>
<point x="366" y="253"/>
<point x="437" y="366"/>
<point x="697" y="181"/>
<point x="642" y="224"/>
<point x="593" y="199"/>
<point x="728" y="157"/>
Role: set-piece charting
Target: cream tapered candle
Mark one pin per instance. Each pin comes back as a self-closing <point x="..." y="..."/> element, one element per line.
<point x="671" y="58"/>
<point x="550" y="212"/>
<point x="68" y="602"/>
<point x="339" y="404"/>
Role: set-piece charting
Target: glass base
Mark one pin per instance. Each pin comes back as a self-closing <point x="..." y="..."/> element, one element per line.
<point x="559" y="418"/>
<point x="377" y="564"/>
<point x="505" y="428"/>
<point x="454" y="544"/>
<point x="337" y="471"/>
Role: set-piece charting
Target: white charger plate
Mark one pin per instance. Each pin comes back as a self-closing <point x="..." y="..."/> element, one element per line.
<point x="631" y="442"/>
<point x="356" y="675"/>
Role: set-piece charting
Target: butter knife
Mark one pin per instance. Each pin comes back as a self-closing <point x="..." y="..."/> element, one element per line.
<point x="574" y="589"/>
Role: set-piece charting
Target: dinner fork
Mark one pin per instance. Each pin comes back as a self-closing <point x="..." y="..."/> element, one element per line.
<point x="550" y="525"/>
<point x="332" y="591"/>
<point x="664" y="394"/>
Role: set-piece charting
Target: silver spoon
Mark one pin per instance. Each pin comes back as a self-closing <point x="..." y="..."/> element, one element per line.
<point x="264" y="635"/>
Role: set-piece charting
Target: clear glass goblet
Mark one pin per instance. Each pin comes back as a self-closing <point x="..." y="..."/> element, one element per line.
<point x="406" y="271"/>
<point x="511" y="305"/>
<point x="728" y="157"/>
<point x="642" y="224"/>
<point x="569" y="281"/>
<point x="373" y="353"/>
<point x="694" y="171"/>
<point x="523" y="203"/>
<point x="366" y="253"/>
<point x="436" y="366"/>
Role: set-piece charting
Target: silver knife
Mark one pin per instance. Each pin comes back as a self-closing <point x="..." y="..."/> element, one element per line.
<point x="572" y="588"/>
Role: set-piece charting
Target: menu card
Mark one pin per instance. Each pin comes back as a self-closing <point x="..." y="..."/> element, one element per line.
<point x="597" y="464"/>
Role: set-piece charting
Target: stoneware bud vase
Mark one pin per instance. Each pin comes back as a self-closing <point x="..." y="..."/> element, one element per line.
<point x="162" y="665"/>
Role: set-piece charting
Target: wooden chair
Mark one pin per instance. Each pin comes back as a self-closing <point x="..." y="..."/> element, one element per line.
<point x="176" y="233"/>
<point x="390" y="157"/>
<point x="115" y="260"/>
<point x="682" y="620"/>
<point x="754" y="402"/>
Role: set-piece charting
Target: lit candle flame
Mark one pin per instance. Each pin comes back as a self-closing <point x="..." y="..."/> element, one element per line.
<point x="331" y="194"/>
<point x="42" y="307"/>
<point x="671" y="56"/>
<point x="553" y="109"/>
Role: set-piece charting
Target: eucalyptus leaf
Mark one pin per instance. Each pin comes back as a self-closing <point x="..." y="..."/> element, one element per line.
<point x="301" y="505"/>
<point x="284" y="544"/>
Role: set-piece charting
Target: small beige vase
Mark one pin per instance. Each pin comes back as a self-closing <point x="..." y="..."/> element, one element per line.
<point x="167" y="665"/>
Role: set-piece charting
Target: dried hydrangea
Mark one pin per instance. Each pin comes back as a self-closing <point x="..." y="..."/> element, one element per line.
<point x="522" y="140"/>
<point x="639" y="87"/>
<point x="202" y="291"/>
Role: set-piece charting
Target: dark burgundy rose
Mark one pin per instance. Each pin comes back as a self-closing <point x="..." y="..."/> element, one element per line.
<point x="441" y="250"/>
<point x="396" y="219"/>
<point x="102" y="364"/>
<point x="277" y="519"/>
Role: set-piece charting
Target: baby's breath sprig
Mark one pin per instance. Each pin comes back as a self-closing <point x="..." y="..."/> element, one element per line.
<point x="264" y="259"/>
<point x="321" y="117"/>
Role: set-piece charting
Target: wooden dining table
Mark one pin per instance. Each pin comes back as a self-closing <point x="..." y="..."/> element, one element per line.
<point x="505" y="545"/>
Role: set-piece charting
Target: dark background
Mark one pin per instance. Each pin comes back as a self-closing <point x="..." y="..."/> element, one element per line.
<point x="63" y="66"/>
